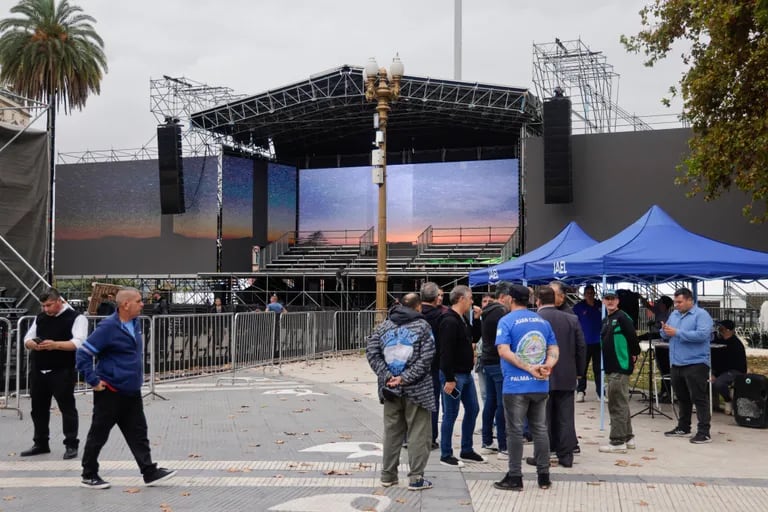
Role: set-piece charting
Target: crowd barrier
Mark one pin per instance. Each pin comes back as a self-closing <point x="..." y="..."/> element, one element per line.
<point x="7" y="360"/>
<point x="183" y="346"/>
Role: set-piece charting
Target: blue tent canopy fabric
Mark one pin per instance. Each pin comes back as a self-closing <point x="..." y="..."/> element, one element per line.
<point x="654" y="248"/>
<point x="571" y="239"/>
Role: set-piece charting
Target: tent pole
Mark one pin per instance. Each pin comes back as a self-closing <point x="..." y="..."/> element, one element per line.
<point x="602" y="366"/>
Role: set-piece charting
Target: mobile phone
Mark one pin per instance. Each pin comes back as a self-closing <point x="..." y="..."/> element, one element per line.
<point x="37" y="340"/>
<point x="455" y="393"/>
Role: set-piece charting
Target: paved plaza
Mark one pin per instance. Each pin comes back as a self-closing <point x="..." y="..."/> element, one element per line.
<point x="307" y="438"/>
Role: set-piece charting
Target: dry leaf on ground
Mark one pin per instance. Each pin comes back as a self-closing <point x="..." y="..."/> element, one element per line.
<point x="331" y="472"/>
<point x="700" y="484"/>
<point x="648" y="458"/>
<point x="643" y="503"/>
<point x="132" y="490"/>
<point x="621" y="462"/>
<point x="279" y="441"/>
<point x="194" y="456"/>
<point x="593" y="483"/>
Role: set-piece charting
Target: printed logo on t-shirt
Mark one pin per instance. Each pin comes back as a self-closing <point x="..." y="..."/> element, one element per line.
<point x="532" y="348"/>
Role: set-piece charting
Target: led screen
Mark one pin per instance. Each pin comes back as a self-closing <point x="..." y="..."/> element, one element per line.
<point x="108" y="220"/>
<point x="482" y="193"/>
<point x="237" y="198"/>
<point x="281" y="185"/>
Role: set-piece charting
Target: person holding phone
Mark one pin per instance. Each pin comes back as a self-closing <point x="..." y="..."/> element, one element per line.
<point x="52" y="340"/>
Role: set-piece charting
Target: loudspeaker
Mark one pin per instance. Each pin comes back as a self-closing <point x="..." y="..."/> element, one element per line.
<point x="171" y="169"/>
<point x="558" y="185"/>
<point x="750" y="400"/>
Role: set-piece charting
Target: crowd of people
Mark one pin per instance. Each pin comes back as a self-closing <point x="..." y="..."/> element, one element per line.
<point x="531" y="352"/>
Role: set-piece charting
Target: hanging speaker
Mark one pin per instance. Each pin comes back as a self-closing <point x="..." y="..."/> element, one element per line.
<point x="171" y="169"/>
<point x="750" y="400"/>
<point x="558" y="183"/>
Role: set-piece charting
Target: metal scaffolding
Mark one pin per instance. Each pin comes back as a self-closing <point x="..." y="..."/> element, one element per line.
<point x="570" y="68"/>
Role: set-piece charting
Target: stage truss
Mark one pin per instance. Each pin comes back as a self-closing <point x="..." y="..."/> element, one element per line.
<point x="588" y="79"/>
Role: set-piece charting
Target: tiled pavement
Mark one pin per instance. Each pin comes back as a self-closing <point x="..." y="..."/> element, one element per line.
<point x="307" y="439"/>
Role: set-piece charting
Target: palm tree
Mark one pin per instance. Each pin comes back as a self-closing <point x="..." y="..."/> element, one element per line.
<point x="51" y="53"/>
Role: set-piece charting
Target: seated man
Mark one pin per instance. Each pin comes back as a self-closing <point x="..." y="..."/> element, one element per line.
<point x="727" y="363"/>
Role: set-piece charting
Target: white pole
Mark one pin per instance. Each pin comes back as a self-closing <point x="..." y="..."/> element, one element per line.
<point x="457" y="40"/>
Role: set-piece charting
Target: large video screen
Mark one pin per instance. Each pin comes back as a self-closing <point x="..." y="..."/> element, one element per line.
<point x="237" y="198"/>
<point x="483" y="193"/>
<point x="282" y="186"/>
<point x="108" y="220"/>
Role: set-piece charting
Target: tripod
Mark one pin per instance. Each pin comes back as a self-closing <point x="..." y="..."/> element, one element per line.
<point x="650" y="357"/>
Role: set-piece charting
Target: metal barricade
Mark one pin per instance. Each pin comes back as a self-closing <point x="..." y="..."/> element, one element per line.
<point x="184" y="346"/>
<point x="352" y="328"/>
<point x="323" y="332"/>
<point x="253" y="342"/>
<point x="294" y="336"/>
<point x="7" y="342"/>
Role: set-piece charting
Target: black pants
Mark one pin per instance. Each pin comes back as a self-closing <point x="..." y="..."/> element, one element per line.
<point x="691" y="386"/>
<point x="593" y="354"/>
<point x="58" y="384"/>
<point x="435" y="374"/>
<point x="127" y="412"/>
<point x="562" y="424"/>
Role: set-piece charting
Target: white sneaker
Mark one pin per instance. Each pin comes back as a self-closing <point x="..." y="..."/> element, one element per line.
<point x="728" y="408"/>
<point x="631" y="444"/>
<point x="614" y="448"/>
<point x="502" y="455"/>
<point x="581" y="397"/>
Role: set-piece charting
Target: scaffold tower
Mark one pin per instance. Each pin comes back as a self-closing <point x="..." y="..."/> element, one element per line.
<point x="571" y="68"/>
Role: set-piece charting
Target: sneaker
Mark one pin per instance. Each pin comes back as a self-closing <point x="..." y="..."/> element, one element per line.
<point x="509" y="483"/>
<point x="36" y="449"/>
<point x="389" y="484"/>
<point x="678" y="432"/>
<point x="435" y="445"/>
<point x="94" y="482"/>
<point x="451" y="461"/>
<point x="502" y="455"/>
<point x="420" y="485"/>
<point x="631" y="444"/>
<point x="614" y="448"/>
<point x="552" y="456"/>
<point x="700" y="438"/>
<point x="577" y="450"/>
<point x="160" y="475"/>
<point x="488" y="449"/>
<point x="70" y="453"/>
<point x="581" y="397"/>
<point x="472" y="457"/>
<point x="728" y="408"/>
<point x="544" y="481"/>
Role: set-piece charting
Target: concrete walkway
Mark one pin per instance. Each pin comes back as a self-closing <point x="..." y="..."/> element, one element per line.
<point x="308" y="439"/>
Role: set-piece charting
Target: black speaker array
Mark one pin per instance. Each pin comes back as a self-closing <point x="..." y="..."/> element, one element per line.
<point x="750" y="400"/>
<point x="558" y="183"/>
<point x="171" y="169"/>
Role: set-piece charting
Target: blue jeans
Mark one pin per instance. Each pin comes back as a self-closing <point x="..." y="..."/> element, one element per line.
<point x="493" y="408"/>
<point x="517" y="408"/>
<point x="466" y="385"/>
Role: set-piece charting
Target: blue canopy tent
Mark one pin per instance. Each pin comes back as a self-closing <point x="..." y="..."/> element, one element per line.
<point x="654" y="249"/>
<point x="571" y="239"/>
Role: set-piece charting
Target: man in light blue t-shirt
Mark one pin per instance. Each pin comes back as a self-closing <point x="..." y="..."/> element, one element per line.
<point x="528" y="351"/>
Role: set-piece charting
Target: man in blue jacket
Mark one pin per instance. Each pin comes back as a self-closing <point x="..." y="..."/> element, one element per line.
<point x="689" y="331"/>
<point x="116" y="381"/>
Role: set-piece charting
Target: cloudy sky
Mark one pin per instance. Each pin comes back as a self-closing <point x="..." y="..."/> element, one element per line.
<point x="256" y="45"/>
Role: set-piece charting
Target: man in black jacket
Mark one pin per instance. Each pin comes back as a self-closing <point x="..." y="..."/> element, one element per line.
<point x="728" y="362"/>
<point x="493" y="408"/>
<point x="432" y="308"/>
<point x="456" y="361"/>
<point x="564" y="377"/>
<point x="52" y="340"/>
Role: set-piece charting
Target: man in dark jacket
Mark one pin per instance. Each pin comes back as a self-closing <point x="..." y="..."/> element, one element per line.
<point x="432" y="308"/>
<point x="52" y="340"/>
<point x="457" y="357"/>
<point x="116" y="381"/>
<point x="564" y="377"/>
<point x="560" y="302"/>
<point x="728" y="362"/>
<point x="493" y="408"/>
<point x="620" y="350"/>
<point x="400" y="352"/>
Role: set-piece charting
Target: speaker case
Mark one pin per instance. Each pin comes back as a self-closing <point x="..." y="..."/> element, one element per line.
<point x="750" y="400"/>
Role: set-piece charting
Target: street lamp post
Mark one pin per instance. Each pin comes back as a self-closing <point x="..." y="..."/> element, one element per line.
<point x="382" y="87"/>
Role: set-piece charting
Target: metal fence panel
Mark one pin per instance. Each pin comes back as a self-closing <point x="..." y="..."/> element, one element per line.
<point x="253" y="340"/>
<point x="294" y="336"/>
<point x="8" y="357"/>
<point x="323" y="332"/>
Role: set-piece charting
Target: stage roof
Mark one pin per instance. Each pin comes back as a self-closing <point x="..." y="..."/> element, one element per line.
<point x="328" y="115"/>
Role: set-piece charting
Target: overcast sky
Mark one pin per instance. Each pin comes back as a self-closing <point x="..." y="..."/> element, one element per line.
<point x="257" y="45"/>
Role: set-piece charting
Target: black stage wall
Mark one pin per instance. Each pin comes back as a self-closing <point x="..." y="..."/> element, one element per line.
<point x="617" y="177"/>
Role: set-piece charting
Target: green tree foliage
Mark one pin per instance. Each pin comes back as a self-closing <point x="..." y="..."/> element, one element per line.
<point x="724" y="91"/>
<point x="51" y="53"/>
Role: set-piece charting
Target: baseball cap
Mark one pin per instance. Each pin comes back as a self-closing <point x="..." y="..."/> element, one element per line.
<point x="609" y="292"/>
<point x="519" y="292"/>
<point x="728" y="324"/>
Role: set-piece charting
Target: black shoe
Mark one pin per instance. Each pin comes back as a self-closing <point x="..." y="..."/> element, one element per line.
<point x="70" y="453"/>
<point x="528" y="437"/>
<point x="544" y="481"/>
<point x="531" y="461"/>
<point x="35" y="450"/>
<point x="159" y="475"/>
<point x="677" y="432"/>
<point x="509" y="483"/>
<point x="472" y="457"/>
<point x="451" y="461"/>
<point x="700" y="438"/>
<point x="435" y="445"/>
<point x="577" y="450"/>
<point x="566" y="461"/>
<point x="94" y="482"/>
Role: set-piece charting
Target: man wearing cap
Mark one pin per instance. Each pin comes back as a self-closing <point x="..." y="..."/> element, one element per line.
<point x="620" y="350"/>
<point x="689" y="331"/>
<point x="728" y="362"/>
<point x="528" y="351"/>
